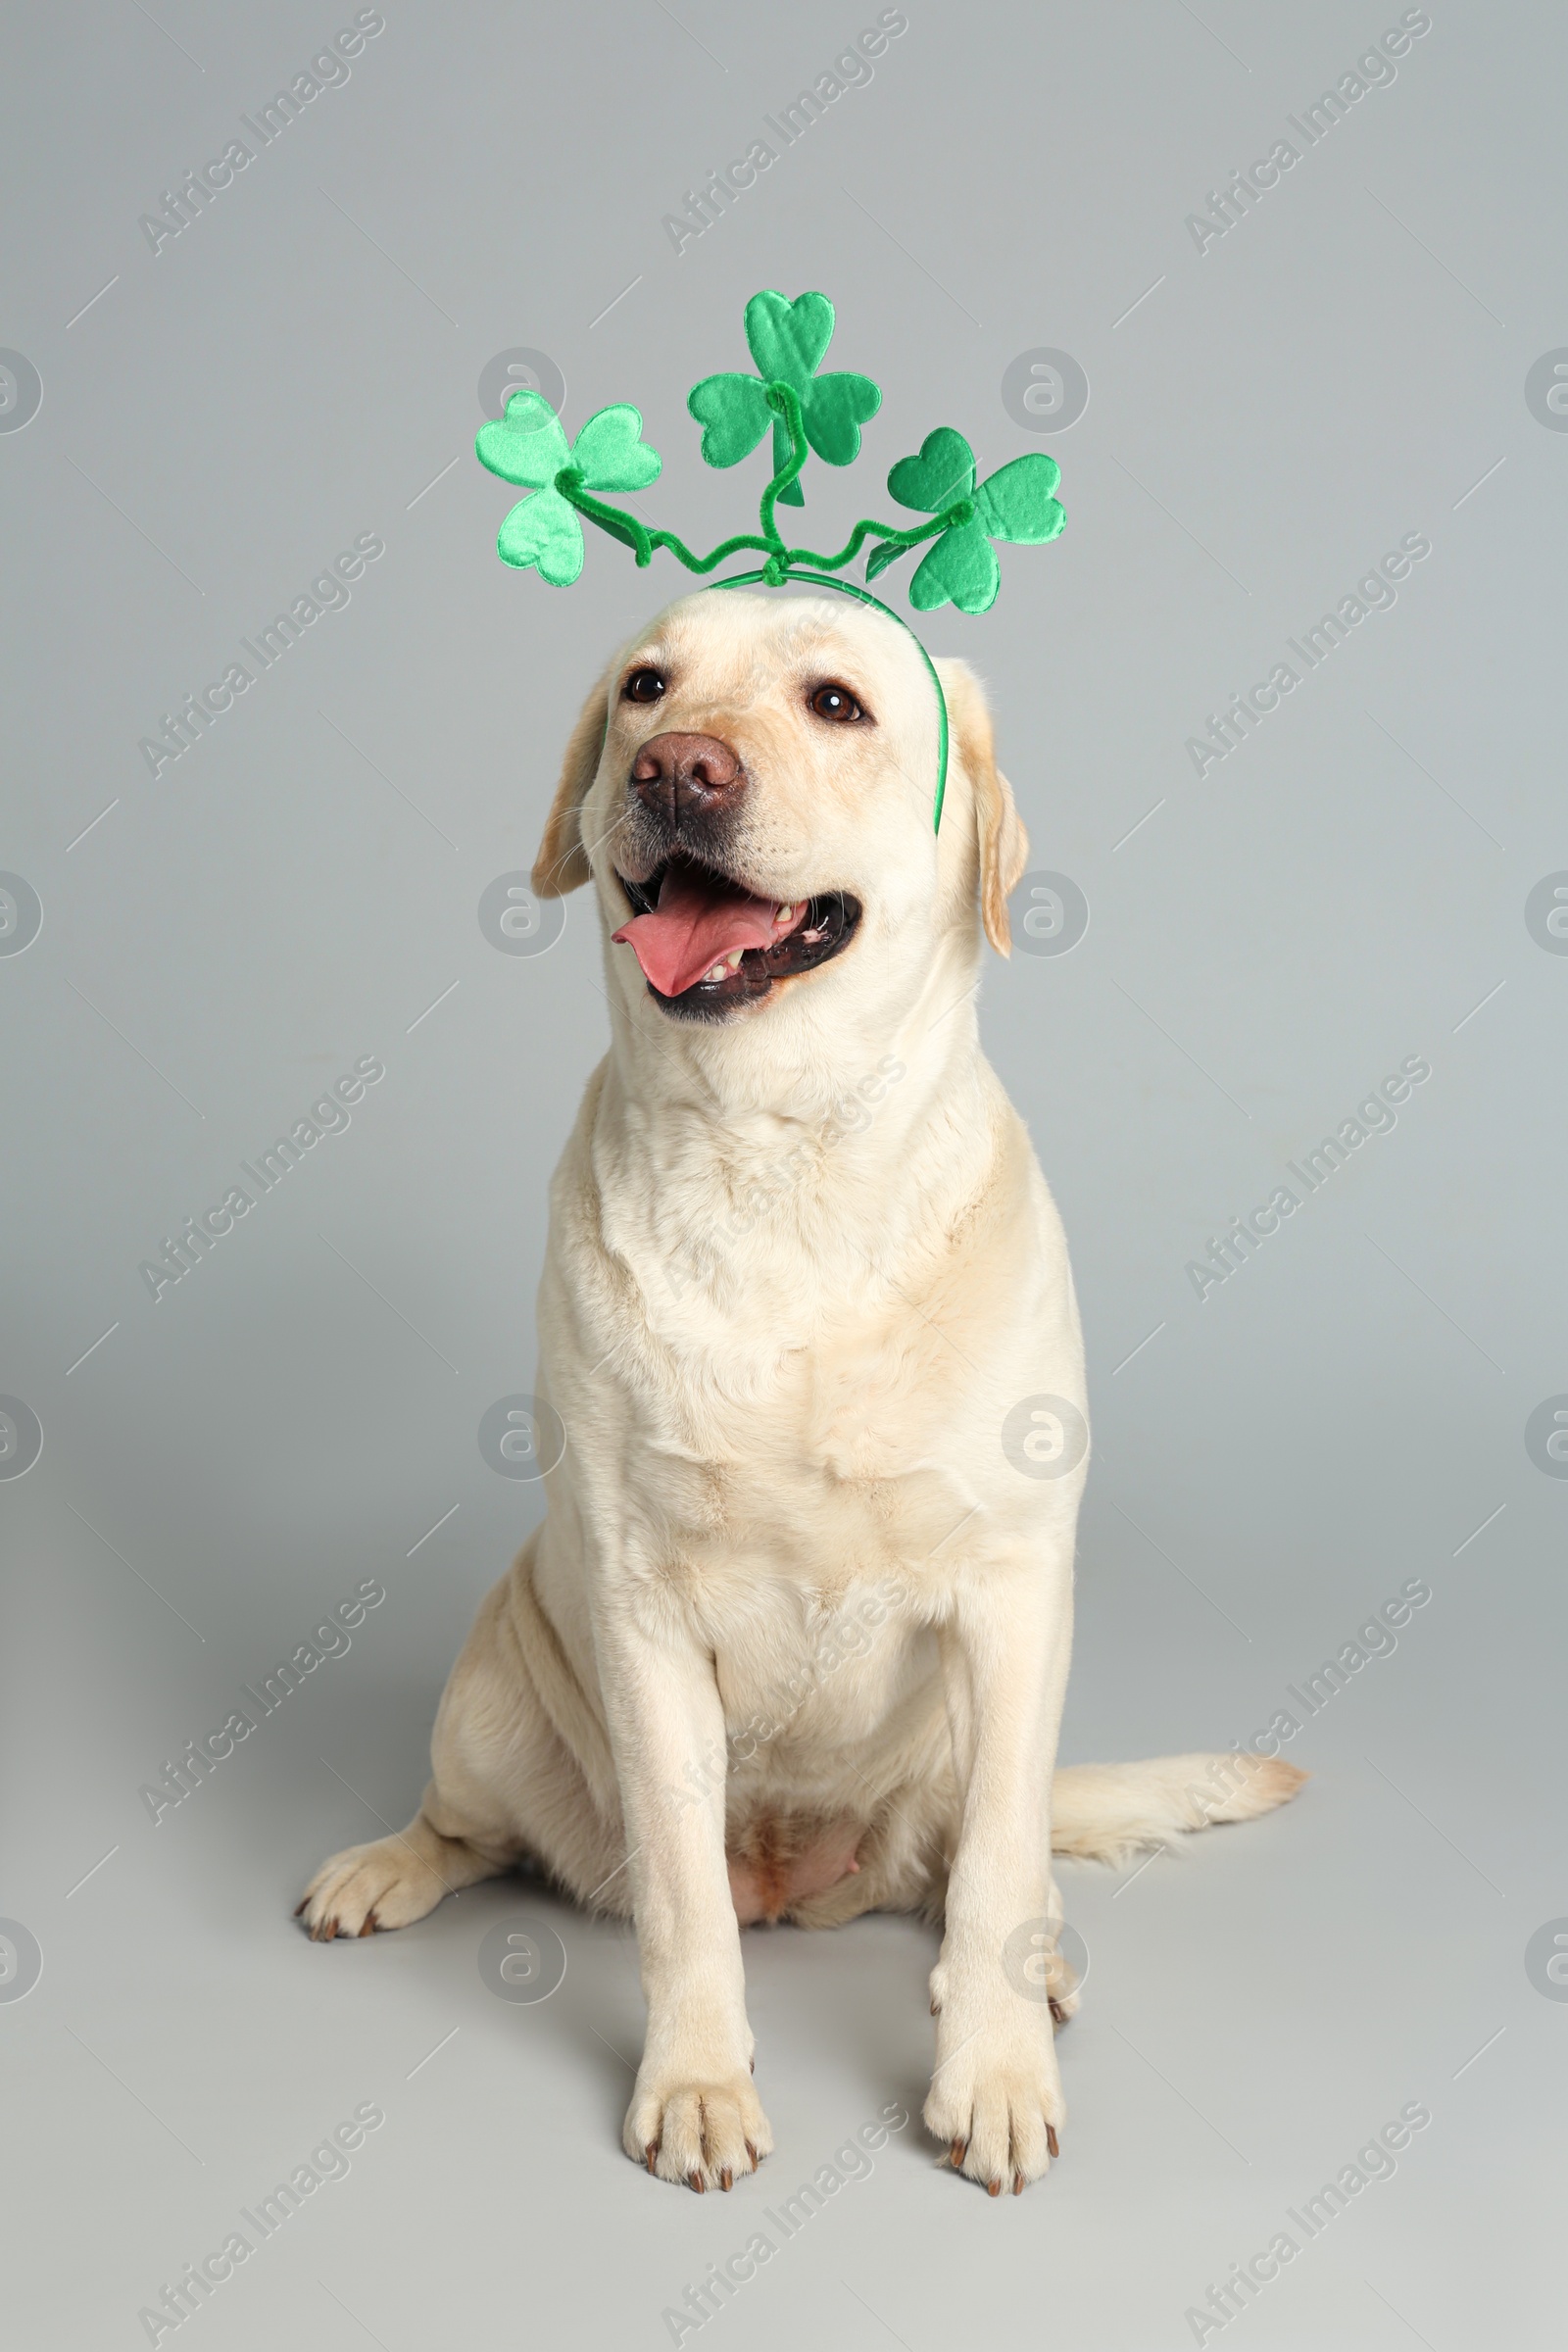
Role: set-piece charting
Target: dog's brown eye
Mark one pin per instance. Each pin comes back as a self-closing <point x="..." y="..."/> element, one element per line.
<point x="836" y="703"/>
<point x="643" y="686"/>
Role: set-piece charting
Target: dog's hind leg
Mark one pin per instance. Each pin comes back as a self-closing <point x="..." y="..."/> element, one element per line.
<point x="505" y="1787"/>
<point x="393" y="1880"/>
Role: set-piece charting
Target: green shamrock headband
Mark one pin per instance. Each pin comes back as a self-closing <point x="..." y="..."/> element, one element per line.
<point x="807" y="411"/>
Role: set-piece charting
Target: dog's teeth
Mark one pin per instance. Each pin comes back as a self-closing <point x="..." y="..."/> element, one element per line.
<point x="734" y="959"/>
<point x="785" y="914"/>
<point x="720" y="971"/>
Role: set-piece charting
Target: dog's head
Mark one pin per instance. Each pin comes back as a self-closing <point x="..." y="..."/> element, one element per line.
<point x="750" y="787"/>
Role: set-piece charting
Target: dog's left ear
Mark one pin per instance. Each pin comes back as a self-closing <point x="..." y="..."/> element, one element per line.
<point x="563" y="862"/>
<point x="1004" y="845"/>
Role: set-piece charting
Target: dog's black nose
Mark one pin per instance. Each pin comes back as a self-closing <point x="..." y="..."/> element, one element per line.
<point x="673" y="774"/>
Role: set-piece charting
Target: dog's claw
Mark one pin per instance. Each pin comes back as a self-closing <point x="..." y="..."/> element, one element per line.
<point x="368" y="1928"/>
<point x="1051" y="2140"/>
<point x="696" y="2180"/>
<point x="726" y="2179"/>
<point x="752" y="2153"/>
<point x="650" y="2152"/>
<point x="1017" y="2184"/>
<point x="1058" y="2013"/>
<point x="993" y="2188"/>
<point x="956" y="2153"/>
<point x="299" y="1905"/>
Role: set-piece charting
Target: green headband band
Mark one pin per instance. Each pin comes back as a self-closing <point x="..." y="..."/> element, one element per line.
<point x="788" y="340"/>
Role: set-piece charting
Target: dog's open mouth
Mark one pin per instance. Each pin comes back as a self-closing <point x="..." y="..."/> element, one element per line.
<point x="704" y="941"/>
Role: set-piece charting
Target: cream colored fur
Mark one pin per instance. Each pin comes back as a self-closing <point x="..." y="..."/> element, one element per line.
<point x="784" y="1403"/>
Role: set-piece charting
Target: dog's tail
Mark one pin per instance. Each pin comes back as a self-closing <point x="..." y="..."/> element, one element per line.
<point x="1107" y="1812"/>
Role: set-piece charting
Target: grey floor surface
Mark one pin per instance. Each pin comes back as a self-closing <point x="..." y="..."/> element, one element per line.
<point x="1373" y="350"/>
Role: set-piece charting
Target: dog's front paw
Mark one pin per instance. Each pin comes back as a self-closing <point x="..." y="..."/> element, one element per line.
<point x="703" y="2128"/>
<point x="995" y="2098"/>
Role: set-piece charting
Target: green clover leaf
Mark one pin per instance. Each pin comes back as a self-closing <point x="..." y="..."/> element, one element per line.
<point x="1014" y="505"/>
<point x="961" y="568"/>
<point x="789" y="341"/>
<point x="544" y="531"/>
<point x="527" y="444"/>
<point x="942" y="471"/>
<point x="611" y="452"/>
<point x="528" y="447"/>
<point x="1017" y="504"/>
<point x="734" y="414"/>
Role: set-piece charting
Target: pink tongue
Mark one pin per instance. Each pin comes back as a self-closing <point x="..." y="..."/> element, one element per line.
<point x="699" y="922"/>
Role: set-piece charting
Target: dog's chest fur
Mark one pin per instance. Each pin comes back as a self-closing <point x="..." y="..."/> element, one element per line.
<point x="788" y="1433"/>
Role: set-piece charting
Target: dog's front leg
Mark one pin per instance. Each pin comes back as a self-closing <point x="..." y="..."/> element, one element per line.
<point x="996" y="2094"/>
<point x="694" y="2116"/>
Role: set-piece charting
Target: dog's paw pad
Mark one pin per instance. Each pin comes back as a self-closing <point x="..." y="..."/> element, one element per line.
<point x="998" y="2103"/>
<point x="702" y="2136"/>
<point x="386" y="1884"/>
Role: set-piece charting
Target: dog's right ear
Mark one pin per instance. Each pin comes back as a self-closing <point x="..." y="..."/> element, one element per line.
<point x="1001" y="839"/>
<point x="563" y="862"/>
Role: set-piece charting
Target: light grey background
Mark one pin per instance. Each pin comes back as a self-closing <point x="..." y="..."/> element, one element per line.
<point x="1347" y="889"/>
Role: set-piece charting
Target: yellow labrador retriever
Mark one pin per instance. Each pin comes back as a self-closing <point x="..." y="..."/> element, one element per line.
<point x="792" y="1640"/>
